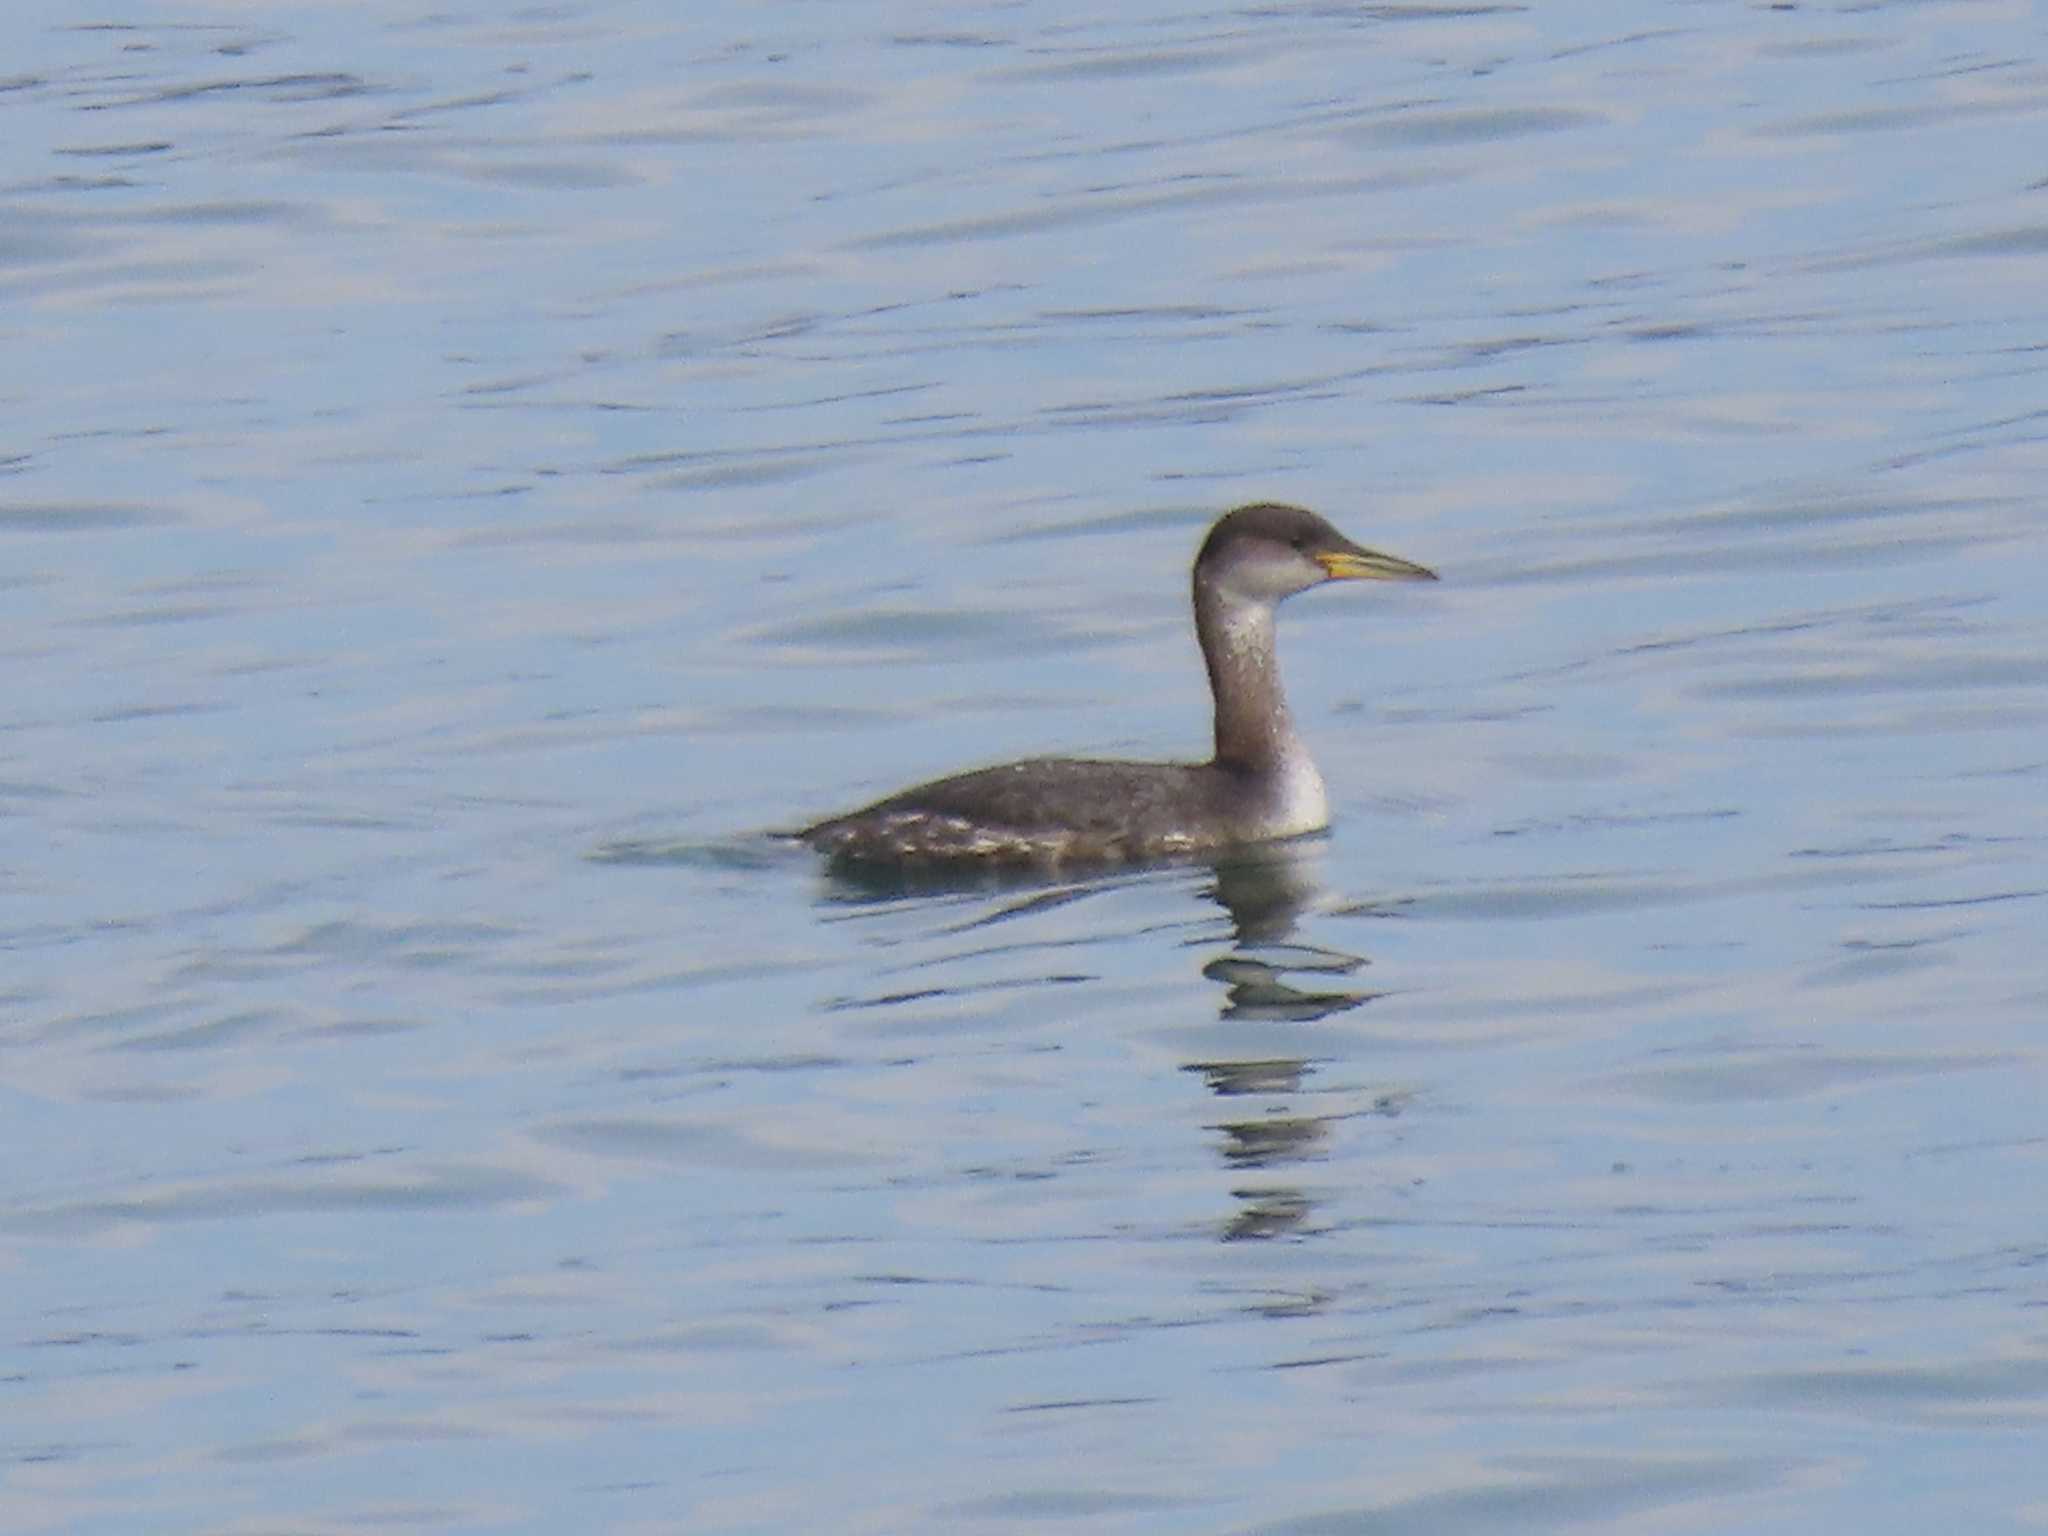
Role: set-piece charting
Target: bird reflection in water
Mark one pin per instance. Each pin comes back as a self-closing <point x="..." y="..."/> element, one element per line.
<point x="1268" y="978"/>
<point x="1265" y="891"/>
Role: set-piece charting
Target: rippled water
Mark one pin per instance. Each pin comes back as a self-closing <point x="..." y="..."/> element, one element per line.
<point x="467" y="475"/>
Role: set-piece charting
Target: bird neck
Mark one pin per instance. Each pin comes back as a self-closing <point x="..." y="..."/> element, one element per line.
<point x="1253" y="728"/>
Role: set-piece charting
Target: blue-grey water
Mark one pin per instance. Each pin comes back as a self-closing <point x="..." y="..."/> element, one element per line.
<point x="465" y="474"/>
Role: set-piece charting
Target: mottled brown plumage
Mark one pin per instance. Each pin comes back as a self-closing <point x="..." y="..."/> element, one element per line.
<point x="1053" y="811"/>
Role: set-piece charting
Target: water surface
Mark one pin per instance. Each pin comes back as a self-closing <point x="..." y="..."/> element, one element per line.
<point x="469" y="475"/>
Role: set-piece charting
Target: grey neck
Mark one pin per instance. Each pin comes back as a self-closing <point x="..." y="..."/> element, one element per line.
<point x="1253" y="729"/>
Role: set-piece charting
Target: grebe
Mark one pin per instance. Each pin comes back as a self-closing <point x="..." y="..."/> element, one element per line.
<point x="1259" y="785"/>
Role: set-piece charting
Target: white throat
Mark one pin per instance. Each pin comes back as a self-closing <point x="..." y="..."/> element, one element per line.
<point x="1300" y="803"/>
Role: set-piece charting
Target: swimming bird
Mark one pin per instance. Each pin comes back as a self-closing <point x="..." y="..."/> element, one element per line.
<point x="1259" y="785"/>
